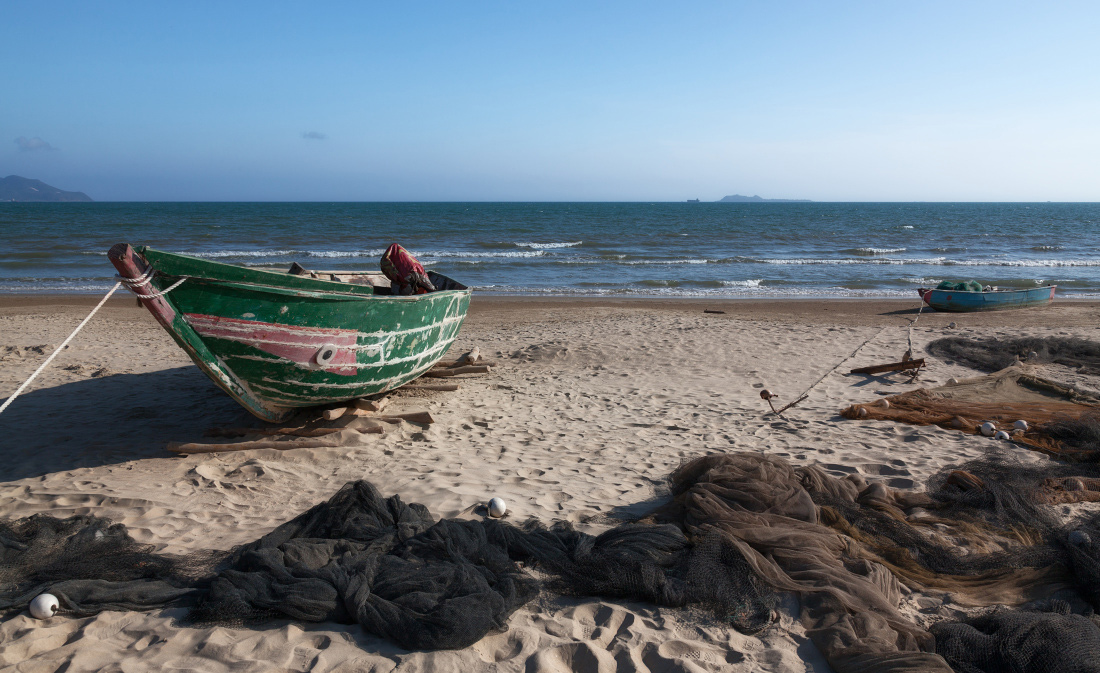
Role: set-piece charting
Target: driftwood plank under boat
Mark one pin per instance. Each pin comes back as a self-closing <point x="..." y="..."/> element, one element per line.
<point x="294" y="432"/>
<point x="455" y="371"/>
<point x="193" y="447"/>
<point x="440" y="387"/>
<point x="414" y="417"/>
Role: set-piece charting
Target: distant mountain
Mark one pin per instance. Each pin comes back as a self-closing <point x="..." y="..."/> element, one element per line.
<point x="737" y="198"/>
<point x="15" y="188"/>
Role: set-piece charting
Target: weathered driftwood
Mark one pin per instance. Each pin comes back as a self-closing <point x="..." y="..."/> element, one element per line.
<point x="708" y="310"/>
<point x="190" y="448"/>
<point x="295" y="432"/>
<point x="440" y="387"/>
<point x="333" y="414"/>
<point x="371" y="406"/>
<point x="444" y="373"/>
<point x="414" y="417"/>
<point x="451" y="364"/>
<point x="373" y="430"/>
<point x="469" y="358"/>
<point x="892" y="367"/>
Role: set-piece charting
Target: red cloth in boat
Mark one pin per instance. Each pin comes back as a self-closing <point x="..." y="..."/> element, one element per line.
<point x="405" y="273"/>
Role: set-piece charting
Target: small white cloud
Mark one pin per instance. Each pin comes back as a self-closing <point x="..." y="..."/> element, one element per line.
<point x="314" y="135"/>
<point x="34" y="144"/>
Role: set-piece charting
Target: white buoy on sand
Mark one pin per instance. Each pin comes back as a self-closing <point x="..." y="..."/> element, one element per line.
<point x="1001" y="434"/>
<point x="952" y="382"/>
<point x="862" y="412"/>
<point x="1020" y="425"/>
<point x="884" y="403"/>
<point x="44" y="606"/>
<point x="497" y="508"/>
<point x="988" y="429"/>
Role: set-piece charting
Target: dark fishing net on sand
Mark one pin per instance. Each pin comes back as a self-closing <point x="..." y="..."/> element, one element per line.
<point x="1047" y="640"/>
<point x="92" y="565"/>
<point x="990" y="355"/>
<point x="382" y="563"/>
<point x="739" y="528"/>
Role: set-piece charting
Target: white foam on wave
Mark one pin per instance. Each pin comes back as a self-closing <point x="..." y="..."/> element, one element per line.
<point x="932" y="261"/>
<point x="742" y="283"/>
<point x="549" y="246"/>
<point x="844" y="260"/>
<point x="875" y="251"/>
<point x="637" y="262"/>
<point x="240" y="254"/>
<point x="731" y="292"/>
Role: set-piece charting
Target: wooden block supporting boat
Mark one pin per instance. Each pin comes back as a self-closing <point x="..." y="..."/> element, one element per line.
<point x="294" y="432"/>
<point x="455" y="371"/>
<point x="469" y="358"/>
<point x="892" y="367"/>
<point x="333" y="414"/>
<point x="371" y="406"/>
<point x="422" y="417"/>
<point x="441" y="387"/>
<point x="192" y="447"/>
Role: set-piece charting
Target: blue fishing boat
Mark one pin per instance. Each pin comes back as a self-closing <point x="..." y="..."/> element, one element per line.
<point x="959" y="301"/>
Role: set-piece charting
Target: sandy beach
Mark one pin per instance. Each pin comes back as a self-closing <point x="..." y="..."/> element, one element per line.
<point x="592" y="404"/>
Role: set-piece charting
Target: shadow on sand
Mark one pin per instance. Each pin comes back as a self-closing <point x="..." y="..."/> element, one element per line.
<point x="109" y="420"/>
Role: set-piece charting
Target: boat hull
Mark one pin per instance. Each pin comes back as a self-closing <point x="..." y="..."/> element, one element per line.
<point x="953" y="301"/>
<point x="276" y="343"/>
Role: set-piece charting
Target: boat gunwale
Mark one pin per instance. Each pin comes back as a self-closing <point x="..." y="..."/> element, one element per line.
<point x="280" y="283"/>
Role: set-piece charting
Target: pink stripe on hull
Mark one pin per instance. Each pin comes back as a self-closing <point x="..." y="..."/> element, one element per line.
<point x="298" y="344"/>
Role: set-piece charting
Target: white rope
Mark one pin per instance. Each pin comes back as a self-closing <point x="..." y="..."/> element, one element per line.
<point x="59" y="349"/>
<point x="143" y="279"/>
<point x="164" y="291"/>
<point x="146" y="278"/>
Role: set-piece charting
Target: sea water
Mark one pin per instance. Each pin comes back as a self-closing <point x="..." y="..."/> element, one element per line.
<point x="612" y="249"/>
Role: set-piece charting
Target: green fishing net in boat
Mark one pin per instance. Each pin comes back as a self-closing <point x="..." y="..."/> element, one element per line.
<point x="964" y="286"/>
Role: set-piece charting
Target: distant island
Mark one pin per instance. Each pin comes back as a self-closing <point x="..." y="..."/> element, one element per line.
<point x="737" y="198"/>
<point x="25" y="190"/>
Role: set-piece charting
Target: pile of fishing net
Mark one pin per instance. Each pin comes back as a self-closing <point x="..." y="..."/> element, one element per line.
<point x="739" y="528"/>
<point x="382" y="563"/>
<point x="964" y="286"/>
<point x="1063" y="422"/>
<point x="990" y="355"/>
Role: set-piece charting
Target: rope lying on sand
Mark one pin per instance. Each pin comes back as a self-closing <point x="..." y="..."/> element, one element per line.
<point x="130" y="283"/>
<point x="60" y="348"/>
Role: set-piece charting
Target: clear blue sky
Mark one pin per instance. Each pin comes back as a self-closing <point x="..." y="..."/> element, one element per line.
<point x="553" y="101"/>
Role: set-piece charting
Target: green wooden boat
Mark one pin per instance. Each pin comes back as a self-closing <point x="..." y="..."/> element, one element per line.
<point x="277" y="341"/>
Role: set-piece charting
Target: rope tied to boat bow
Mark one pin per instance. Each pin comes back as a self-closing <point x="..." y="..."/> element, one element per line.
<point x="146" y="278"/>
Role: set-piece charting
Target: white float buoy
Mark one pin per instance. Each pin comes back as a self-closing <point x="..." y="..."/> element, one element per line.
<point x="862" y="412"/>
<point x="497" y="508"/>
<point x="884" y="403"/>
<point x="1001" y="434"/>
<point x="952" y="382"/>
<point x="988" y="429"/>
<point x="44" y="606"/>
<point x="1020" y="425"/>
